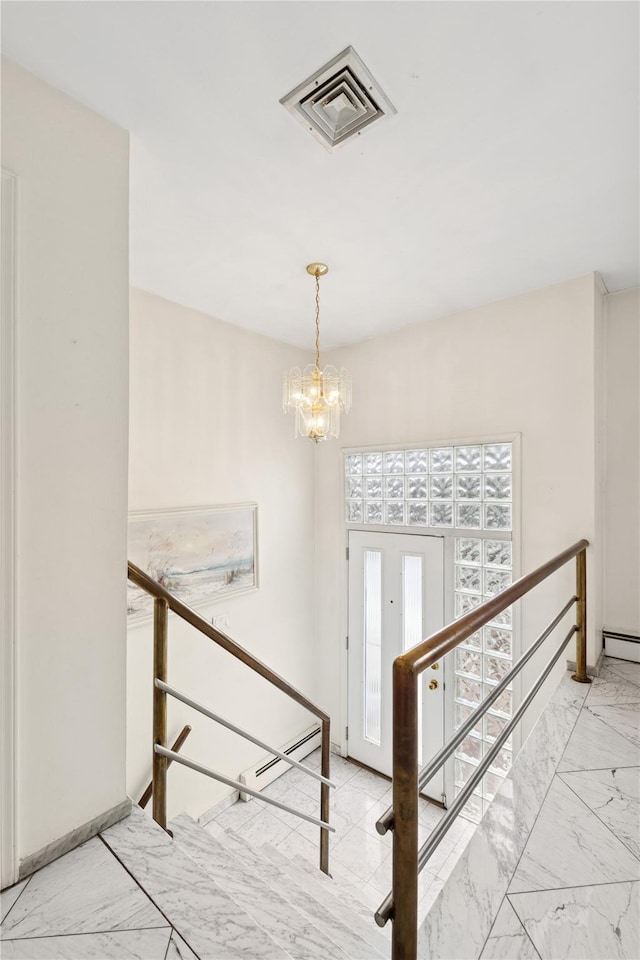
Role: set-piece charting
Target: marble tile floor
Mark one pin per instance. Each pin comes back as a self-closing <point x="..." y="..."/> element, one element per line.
<point x="131" y="892"/>
<point x="572" y="891"/>
<point x="359" y="857"/>
<point x="568" y="884"/>
<point x="85" y="906"/>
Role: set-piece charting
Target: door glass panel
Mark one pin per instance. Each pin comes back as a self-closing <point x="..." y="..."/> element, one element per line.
<point x="412" y="622"/>
<point x="412" y="601"/>
<point x="372" y="643"/>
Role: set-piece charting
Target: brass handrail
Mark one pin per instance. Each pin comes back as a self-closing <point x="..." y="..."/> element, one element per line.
<point x="165" y="601"/>
<point x="385" y="822"/>
<point x="402" y="904"/>
<point x="180" y="739"/>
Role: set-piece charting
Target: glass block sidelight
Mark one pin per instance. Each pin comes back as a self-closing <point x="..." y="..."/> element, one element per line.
<point x="468" y="579"/>
<point x="464" y="602"/>
<point x="469" y="663"/>
<point x="471" y="749"/>
<point x="483" y="567"/>
<point x="496" y="668"/>
<point x="495" y="581"/>
<point x="493" y="727"/>
<point x="497" y="553"/>
<point x="474" y="642"/>
<point x="497" y="640"/>
<point x="468" y="551"/>
<point x="472" y="809"/>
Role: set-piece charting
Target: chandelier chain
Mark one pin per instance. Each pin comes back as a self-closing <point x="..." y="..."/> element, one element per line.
<point x="317" y="320"/>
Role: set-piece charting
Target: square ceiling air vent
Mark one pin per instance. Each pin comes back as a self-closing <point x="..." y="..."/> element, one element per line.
<point x="339" y="100"/>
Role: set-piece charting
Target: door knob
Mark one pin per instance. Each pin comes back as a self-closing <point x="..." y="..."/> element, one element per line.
<point x="433" y="684"/>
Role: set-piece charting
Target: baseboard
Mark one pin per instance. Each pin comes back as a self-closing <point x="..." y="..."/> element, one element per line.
<point x="73" y="839"/>
<point x="621" y="645"/>
<point x="265" y="771"/>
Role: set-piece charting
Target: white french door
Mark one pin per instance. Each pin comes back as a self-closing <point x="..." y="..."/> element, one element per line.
<point x="396" y="599"/>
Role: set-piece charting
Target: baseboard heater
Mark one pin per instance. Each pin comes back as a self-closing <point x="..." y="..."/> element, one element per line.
<point x="623" y="646"/>
<point x="270" y="768"/>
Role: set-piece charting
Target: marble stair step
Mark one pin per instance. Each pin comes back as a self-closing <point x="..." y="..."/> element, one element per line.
<point x="207" y="918"/>
<point x="340" y="887"/>
<point x="339" y="898"/>
<point x="275" y="867"/>
<point x="304" y="935"/>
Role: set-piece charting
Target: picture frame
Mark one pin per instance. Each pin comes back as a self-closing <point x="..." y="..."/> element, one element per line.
<point x="200" y="554"/>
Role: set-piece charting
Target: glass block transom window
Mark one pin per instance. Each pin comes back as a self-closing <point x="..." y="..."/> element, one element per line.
<point x="466" y="487"/>
<point x="467" y="492"/>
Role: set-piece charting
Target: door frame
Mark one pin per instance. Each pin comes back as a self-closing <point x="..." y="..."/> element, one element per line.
<point x="8" y="488"/>
<point x="433" y="553"/>
<point x="339" y="737"/>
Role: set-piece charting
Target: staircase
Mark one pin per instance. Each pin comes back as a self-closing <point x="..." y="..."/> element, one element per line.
<point x="227" y="900"/>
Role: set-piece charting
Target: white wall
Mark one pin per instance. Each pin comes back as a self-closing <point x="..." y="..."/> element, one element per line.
<point x="206" y="428"/>
<point x="622" y="457"/>
<point x="72" y="316"/>
<point x="525" y="366"/>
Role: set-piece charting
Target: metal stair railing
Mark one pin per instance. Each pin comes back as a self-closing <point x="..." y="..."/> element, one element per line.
<point x="164" y="601"/>
<point x="401" y="904"/>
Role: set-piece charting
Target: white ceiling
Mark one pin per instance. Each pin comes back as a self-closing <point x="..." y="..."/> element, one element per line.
<point x="512" y="162"/>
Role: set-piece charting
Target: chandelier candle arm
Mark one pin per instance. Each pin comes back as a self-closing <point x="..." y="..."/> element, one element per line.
<point x="317" y="396"/>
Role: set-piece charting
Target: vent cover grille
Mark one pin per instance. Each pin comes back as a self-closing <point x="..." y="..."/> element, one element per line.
<point x="339" y="100"/>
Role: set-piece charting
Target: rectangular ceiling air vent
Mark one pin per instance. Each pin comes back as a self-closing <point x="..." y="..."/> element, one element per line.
<point x="339" y="100"/>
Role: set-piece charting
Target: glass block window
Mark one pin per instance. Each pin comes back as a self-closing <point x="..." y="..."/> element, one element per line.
<point x="465" y="493"/>
<point x="467" y="487"/>
<point x="483" y="567"/>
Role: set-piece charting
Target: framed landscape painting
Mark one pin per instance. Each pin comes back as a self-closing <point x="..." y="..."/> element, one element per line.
<point x="200" y="554"/>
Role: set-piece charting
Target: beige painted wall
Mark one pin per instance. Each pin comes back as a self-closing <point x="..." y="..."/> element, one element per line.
<point x="525" y="366"/>
<point x="71" y="434"/>
<point x="622" y="457"/>
<point x="206" y="428"/>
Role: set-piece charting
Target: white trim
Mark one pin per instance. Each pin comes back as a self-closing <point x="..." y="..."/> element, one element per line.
<point x="8" y="654"/>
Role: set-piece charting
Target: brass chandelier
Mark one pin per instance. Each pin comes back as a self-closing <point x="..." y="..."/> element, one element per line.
<point x="317" y="396"/>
